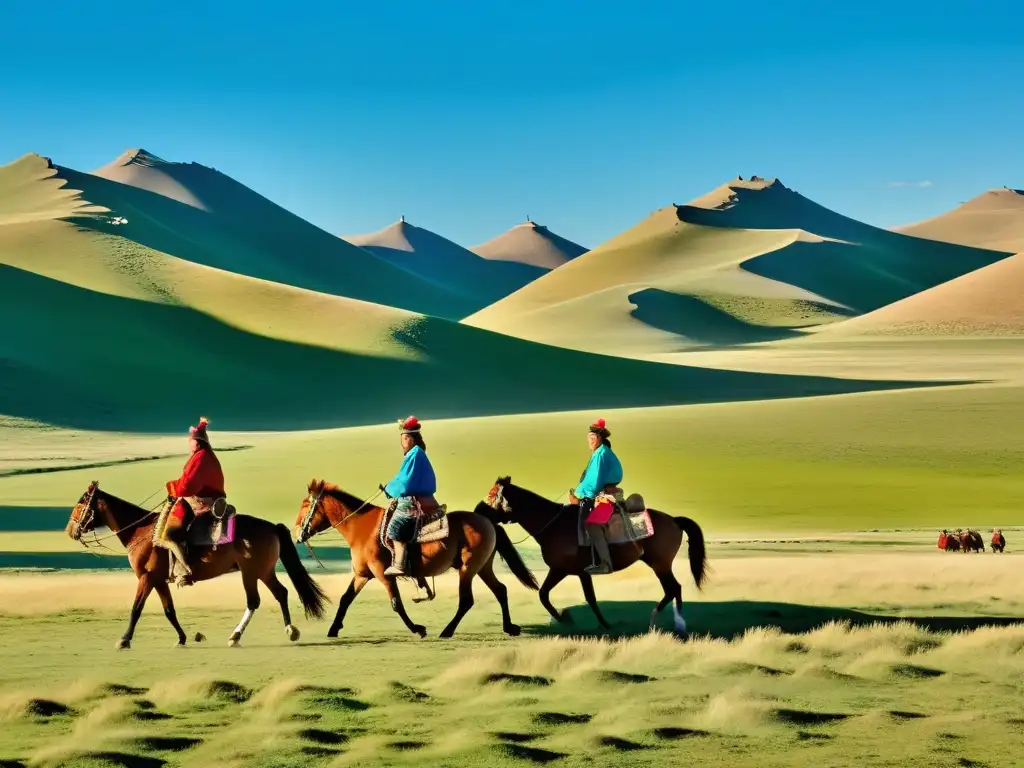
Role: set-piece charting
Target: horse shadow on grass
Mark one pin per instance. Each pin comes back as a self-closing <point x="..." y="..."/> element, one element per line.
<point x="729" y="620"/>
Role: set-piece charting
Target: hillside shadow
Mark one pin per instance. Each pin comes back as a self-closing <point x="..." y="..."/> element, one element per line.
<point x="445" y="263"/>
<point x="872" y="268"/>
<point x="77" y="558"/>
<point x="33" y="518"/>
<point x="691" y="318"/>
<point x="728" y="620"/>
<point x="130" y="350"/>
<point x="246" y="233"/>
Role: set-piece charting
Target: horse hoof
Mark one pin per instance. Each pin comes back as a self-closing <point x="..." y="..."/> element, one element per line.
<point x="513" y="630"/>
<point x="420" y="630"/>
<point x="180" y="643"/>
<point x="292" y="631"/>
<point x="235" y="640"/>
<point x="200" y="637"/>
<point x="446" y="634"/>
<point x="332" y="633"/>
<point x="123" y="645"/>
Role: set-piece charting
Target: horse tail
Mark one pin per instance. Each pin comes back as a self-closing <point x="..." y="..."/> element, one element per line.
<point x="312" y="596"/>
<point x="697" y="552"/>
<point x="513" y="560"/>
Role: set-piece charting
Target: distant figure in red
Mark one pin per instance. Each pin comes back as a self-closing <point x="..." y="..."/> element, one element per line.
<point x="998" y="541"/>
<point x="944" y="541"/>
<point x="200" y="485"/>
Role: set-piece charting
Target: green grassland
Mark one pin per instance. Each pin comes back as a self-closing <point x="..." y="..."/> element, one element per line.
<point x="832" y="672"/>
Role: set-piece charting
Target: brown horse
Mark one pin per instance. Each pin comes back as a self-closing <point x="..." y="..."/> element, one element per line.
<point x="555" y="529"/>
<point x="469" y="548"/>
<point x="255" y="551"/>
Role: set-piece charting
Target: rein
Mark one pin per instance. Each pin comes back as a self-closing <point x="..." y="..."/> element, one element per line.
<point x="90" y="515"/>
<point x="313" y="501"/>
<point x="500" y="498"/>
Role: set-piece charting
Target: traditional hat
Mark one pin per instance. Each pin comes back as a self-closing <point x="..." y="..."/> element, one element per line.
<point x="199" y="430"/>
<point x="409" y="426"/>
<point x="598" y="428"/>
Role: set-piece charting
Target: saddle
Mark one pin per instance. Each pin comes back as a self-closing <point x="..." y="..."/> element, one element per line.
<point x="431" y="523"/>
<point x="630" y="521"/>
<point x="212" y="524"/>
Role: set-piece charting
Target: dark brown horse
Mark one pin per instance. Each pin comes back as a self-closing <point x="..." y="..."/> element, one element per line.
<point x="256" y="548"/>
<point x="555" y="529"/>
<point x="469" y="549"/>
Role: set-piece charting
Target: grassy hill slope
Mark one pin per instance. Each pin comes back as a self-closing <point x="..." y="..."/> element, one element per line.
<point x="749" y="262"/>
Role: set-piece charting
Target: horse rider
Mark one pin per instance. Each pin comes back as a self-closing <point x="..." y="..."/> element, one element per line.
<point x="602" y="475"/>
<point x="196" y="491"/>
<point x="412" y="492"/>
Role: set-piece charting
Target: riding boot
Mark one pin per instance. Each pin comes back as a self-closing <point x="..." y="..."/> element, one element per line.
<point x="180" y="567"/>
<point x="600" y="543"/>
<point x="397" y="567"/>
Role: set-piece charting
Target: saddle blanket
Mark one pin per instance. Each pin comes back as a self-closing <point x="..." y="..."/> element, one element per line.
<point x="622" y="528"/>
<point x="206" y="529"/>
<point x="430" y="526"/>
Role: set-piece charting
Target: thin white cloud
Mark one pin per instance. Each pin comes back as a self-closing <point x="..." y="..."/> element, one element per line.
<point x="914" y="184"/>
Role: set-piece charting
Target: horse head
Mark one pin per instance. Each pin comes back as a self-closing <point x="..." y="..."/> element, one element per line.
<point x="83" y="514"/>
<point x="312" y="518"/>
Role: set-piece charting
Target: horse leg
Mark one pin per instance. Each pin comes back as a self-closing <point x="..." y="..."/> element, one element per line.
<point x="465" y="600"/>
<point x="588" y="592"/>
<point x="359" y="580"/>
<point x="552" y="580"/>
<point x="673" y="591"/>
<point x="165" y="597"/>
<point x="252" y="602"/>
<point x="141" y="593"/>
<point x="391" y="585"/>
<point x="501" y="594"/>
<point x="280" y="593"/>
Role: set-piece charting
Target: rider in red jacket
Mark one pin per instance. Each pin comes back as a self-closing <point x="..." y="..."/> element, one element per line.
<point x="201" y="478"/>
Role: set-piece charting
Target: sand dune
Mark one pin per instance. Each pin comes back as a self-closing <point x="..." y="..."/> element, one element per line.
<point x="749" y="261"/>
<point x="139" y="168"/>
<point x="988" y="302"/>
<point x="201" y="215"/>
<point x="993" y="219"/>
<point x="446" y="264"/>
<point x="530" y="243"/>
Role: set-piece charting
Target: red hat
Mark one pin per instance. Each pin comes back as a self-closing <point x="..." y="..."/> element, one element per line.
<point x="409" y="426"/>
<point x="199" y="430"/>
<point x="598" y="428"/>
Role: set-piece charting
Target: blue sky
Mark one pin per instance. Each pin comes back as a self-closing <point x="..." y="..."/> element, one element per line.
<point x="465" y="117"/>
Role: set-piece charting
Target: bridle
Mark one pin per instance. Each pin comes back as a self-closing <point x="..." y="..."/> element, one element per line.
<point x="88" y="517"/>
<point x="314" y="499"/>
<point x="497" y="500"/>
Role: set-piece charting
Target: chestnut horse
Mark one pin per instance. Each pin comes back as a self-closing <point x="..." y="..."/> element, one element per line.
<point x="555" y="529"/>
<point x="469" y="548"/>
<point x="257" y="546"/>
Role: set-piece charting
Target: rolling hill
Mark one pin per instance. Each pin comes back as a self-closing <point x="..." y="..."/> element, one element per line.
<point x="101" y="331"/>
<point x="530" y="243"/>
<point x="987" y="302"/>
<point x="750" y="261"/>
<point x="993" y="219"/>
<point x="203" y="216"/>
<point x="446" y="264"/>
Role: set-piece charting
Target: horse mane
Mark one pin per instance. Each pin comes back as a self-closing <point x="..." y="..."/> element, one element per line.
<point x="506" y="482"/>
<point x="318" y="487"/>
